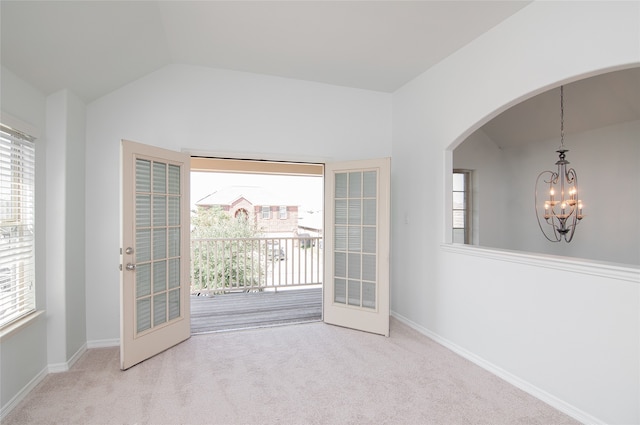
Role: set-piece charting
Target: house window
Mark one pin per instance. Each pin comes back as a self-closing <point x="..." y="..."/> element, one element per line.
<point x="282" y="213"/>
<point x="17" y="173"/>
<point x="461" y="206"/>
<point x="266" y="212"/>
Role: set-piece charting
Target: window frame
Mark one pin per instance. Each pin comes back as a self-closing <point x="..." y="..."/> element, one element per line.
<point x="468" y="205"/>
<point x="283" y="212"/>
<point x="265" y="212"/>
<point x="17" y="217"/>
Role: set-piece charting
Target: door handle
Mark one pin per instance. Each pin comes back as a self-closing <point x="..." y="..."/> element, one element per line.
<point x="130" y="267"/>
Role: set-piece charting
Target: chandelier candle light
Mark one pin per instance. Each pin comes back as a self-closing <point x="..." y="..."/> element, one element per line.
<point x="562" y="210"/>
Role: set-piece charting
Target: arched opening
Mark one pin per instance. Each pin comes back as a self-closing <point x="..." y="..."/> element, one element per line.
<point x="601" y="122"/>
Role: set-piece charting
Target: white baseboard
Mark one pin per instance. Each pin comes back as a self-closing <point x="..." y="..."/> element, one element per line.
<point x="4" y="410"/>
<point x="514" y="380"/>
<point x="103" y="343"/>
<point x="65" y="366"/>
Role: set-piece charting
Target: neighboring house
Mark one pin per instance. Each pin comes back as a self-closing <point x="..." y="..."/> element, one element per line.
<point x="272" y="213"/>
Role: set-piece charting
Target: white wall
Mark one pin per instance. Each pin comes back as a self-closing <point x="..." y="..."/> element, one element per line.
<point x="66" y="307"/>
<point x="56" y="229"/>
<point x="607" y="161"/>
<point x="570" y="336"/>
<point x="221" y="112"/>
<point x="23" y="355"/>
<point x="75" y="224"/>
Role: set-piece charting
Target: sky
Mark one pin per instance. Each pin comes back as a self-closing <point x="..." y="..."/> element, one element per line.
<point x="307" y="191"/>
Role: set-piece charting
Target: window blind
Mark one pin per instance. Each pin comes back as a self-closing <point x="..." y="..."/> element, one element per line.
<point x="17" y="175"/>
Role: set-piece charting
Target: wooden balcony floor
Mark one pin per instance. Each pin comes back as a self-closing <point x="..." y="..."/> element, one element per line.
<point x="254" y="309"/>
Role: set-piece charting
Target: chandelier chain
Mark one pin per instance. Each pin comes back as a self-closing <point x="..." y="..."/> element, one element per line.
<point x="562" y="116"/>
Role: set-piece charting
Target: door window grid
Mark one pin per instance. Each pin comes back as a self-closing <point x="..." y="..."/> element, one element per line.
<point x="355" y="203"/>
<point x="157" y="243"/>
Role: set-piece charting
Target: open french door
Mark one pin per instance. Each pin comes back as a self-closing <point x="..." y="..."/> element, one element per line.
<point x="154" y="291"/>
<point x="357" y="210"/>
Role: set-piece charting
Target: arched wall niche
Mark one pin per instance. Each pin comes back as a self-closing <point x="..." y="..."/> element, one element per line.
<point x="509" y="147"/>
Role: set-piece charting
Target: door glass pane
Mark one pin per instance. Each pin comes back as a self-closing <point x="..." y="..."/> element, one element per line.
<point x="159" y="276"/>
<point x="143" y="211"/>
<point x="355" y="211"/>
<point x="341" y="211"/>
<point x="341" y="238"/>
<point x="369" y="267"/>
<point x="143" y="245"/>
<point x="174" y="304"/>
<point x="174" y="273"/>
<point x="143" y="314"/>
<point x="369" y="184"/>
<point x="143" y="175"/>
<point x="174" y="211"/>
<point x="159" y="211"/>
<point x="159" y="243"/>
<point x="353" y="266"/>
<point x="340" y="264"/>
<point x="159" y="177"/>
<point x="369" y="240"/>
<point x="369" y="212"/>
<point x="355" y="184"/>
<point x="355" y="238"/>
<point x="341" y="185"/>
<point x="368" y="294"/>
<point x="174" y="241"/>
<point x="159" y="308"/>
<point x="354" y="292"/>
<point x="340" y="291"/>
<point x="143" y="280"/>
<point x="174" y="179"/>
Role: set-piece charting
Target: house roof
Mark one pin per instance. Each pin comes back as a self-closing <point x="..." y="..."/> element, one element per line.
<point x="254" y="194"/>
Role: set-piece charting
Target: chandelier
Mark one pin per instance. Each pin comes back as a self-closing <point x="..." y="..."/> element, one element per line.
<point x="559" y="209"/>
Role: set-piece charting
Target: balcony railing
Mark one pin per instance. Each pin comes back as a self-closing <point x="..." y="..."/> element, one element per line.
<point x="248" y="264"/>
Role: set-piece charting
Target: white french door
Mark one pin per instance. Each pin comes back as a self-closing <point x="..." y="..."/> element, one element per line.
<point x="357" y="210"/>
<point x="154" y="292"/>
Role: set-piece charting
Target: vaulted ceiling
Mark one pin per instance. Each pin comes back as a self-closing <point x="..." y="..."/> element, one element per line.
<point x="95" y="47"/>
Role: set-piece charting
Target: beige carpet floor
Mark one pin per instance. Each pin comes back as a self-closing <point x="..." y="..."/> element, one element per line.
<point x="300" y="374"/>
